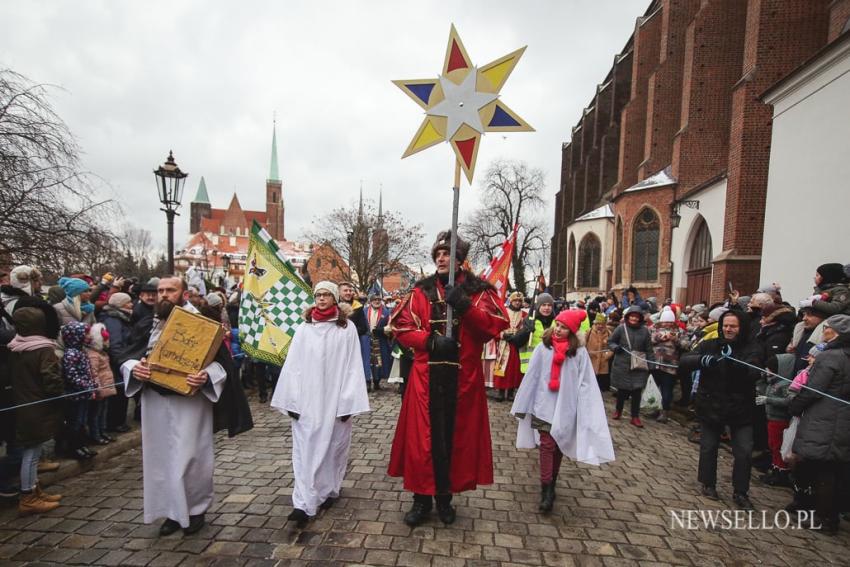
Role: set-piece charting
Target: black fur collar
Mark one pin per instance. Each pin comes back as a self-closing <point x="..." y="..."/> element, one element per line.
<point x="471" y="284"/>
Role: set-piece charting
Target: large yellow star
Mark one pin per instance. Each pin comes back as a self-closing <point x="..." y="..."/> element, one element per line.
<point x="463" y="103"/>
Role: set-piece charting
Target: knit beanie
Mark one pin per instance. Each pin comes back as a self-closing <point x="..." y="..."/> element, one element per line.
<point x="840" y="324"/>
<point x="600" y="318"/>
<point x="330" y="287"/>
<point x="73" y="287"/>
<point x="119" y="300"/>
<point x="543" y="298"/>
<point x="667" y="316"/>
<point x="571" y="318"/>
<point x="716" y="313"/>
<point x="831" y="273"/>
<point x="214" y="300"/>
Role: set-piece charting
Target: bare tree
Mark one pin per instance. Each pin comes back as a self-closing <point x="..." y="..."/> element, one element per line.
<point x="372" y="245"/>
<point x="511" y="194"/>
<point x="48" y="214"/>
<point x="137" y="242"/>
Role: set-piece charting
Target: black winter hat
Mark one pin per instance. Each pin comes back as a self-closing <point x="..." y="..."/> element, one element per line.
<point x="832" y="273"/>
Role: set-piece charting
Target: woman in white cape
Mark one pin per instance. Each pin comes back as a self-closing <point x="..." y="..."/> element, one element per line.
<point x="321" y="386"/>
<point x="559" y="406"/>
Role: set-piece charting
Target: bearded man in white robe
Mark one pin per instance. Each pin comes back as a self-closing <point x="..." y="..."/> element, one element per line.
<point x="321" y="385"/>
<point x="177" y="430"/>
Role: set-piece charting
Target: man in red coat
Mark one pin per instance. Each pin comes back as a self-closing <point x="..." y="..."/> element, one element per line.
<point x="442" y="441"/>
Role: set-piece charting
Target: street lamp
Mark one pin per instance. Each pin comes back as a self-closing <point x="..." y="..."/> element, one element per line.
<point x="225" y="264"/>
<point x="169" y="183"/>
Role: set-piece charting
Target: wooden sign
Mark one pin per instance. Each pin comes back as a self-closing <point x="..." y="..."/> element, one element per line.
<point x="187" y="345"/>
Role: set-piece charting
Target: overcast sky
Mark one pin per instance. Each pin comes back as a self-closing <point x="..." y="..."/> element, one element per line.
<point x="204" y="78"/>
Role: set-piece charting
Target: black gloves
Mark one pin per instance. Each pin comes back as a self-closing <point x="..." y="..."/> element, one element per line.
<point x="442" y="349"/>
<point x="708" y="361"/>
<point x="294" y="415"/>
<point x="457" y="298"/>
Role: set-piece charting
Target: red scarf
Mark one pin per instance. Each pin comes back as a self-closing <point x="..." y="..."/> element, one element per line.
<point x="560" y="346"/>
<point x="322" y="315"/>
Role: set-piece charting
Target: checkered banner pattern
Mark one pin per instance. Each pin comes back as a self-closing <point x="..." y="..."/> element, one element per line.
<point x="273" y="300"/>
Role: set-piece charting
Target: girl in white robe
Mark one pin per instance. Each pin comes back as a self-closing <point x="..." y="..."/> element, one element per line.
<point x="321" y="385"/>
<point x="559" y="406"/>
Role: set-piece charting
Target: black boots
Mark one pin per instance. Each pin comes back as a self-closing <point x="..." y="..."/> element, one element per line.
<point x="419" y="512"/>
<point x="445" y="510"/>
<point x="547" y="497"/>
<point x="300" y="518"/>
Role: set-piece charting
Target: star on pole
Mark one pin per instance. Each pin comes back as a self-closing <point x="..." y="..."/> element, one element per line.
<point x="463" y="103"/>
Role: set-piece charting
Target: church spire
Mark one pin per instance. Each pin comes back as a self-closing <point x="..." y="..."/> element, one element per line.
<point x="274" y="175"/>
<point x="201" y="196"/>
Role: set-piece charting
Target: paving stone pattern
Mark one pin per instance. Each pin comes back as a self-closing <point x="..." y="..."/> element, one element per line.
<point x="615" y="515"/>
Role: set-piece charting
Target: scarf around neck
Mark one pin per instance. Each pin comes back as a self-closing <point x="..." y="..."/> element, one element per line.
<point x="560" y="346"/>
<point x="30" y="343"/>
<point x="323" y="315"/>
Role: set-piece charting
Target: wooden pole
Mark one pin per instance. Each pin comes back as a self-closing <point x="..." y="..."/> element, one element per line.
<point x="453" y="249"/>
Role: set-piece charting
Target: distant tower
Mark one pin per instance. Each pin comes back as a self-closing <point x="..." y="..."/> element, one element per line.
<point x="199" y="208"/>
<point x="274" y="194"/>
<point x="380" y="239"/>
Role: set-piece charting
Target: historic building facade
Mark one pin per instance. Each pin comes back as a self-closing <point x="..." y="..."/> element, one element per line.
<point x="676" y="139"/>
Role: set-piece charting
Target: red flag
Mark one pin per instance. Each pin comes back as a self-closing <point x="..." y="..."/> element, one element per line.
<point x="541" y="282"/>
<point x="497" y="272"/>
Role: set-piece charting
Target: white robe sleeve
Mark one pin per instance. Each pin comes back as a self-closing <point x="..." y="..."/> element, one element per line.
<point x="353" y="396"/>
<point x="131" y="385"/>
<point x="288" y="390"/>
<point x="527" y="437"/>
<point x="214" y="386"/>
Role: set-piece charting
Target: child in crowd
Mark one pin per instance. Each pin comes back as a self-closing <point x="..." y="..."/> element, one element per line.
<point x="77" y="376"/>
<point x="559" y="404"/>
<point x="35" y="377"/>
<point x="775" y="395"/>
<point x="97" y="348"/>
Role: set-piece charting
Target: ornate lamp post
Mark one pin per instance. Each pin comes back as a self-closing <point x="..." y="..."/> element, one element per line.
<point x="169" y="183"/>
<point x="225" y="264"/>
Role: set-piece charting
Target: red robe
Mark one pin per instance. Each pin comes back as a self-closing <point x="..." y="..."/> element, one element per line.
<point x="472" y="455"/>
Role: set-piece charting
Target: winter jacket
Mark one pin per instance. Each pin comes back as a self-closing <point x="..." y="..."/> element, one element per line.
<point x="824" y="430"/>
<point x="117" y="324"/>
<point x="76" y="368"/>
<point x="638" y="302"/>
<point x="727" y="389"/>
<point x="668" y="343"/>
<point x="776" y="389"/>
<point x="622" y="376"/>
<point x="836" y="299"/>
<point x="69" y="311"/>
<point x="35" y="376"/>
<point x="102" y="373"/>
<point x="774" y="339"/>
<point x="597" y="348"/>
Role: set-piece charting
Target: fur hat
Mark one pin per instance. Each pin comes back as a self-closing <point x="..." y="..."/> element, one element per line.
<point x="119" y="300"/>
<point x="444" y="242"/>
<point x="329" y="287"/>
<point x="543" y="298"/>
<point x="667" y="316"/>
<point x="572" y="318"/>
<point x="22" y="278"/>
<point x="831" y="273"/>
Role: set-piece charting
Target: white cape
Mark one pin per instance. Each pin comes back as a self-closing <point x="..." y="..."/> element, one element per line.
<point x="576" y="410"/>
<point x="178" y="457"/>
<point x="322" y="380"/>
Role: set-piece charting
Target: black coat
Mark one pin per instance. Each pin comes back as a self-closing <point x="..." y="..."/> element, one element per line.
<point x="824" y="430"/>
<point x="727" y="391"/>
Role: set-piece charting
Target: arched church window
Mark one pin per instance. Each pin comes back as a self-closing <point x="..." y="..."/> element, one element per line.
<point x="589" y="260"/>
<point x="647" y="231"/>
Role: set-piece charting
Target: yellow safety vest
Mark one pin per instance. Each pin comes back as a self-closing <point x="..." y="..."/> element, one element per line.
<point x="533" y="341"/>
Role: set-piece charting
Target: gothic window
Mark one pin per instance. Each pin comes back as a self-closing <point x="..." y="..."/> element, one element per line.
<point x="589" y="260"/>
<point x="571" y="264"/>
<point x="618" y="246"/>
<point x="646" y="233"/>
<point x="701" y="249"/>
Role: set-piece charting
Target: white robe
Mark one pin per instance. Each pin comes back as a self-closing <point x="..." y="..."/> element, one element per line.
<point x="177" y="447"/>
<point x="322" y="379"/>
<point x="576" y="410"/>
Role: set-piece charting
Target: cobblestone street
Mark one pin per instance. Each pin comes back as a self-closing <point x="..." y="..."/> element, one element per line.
<point x="615" y="515"/>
